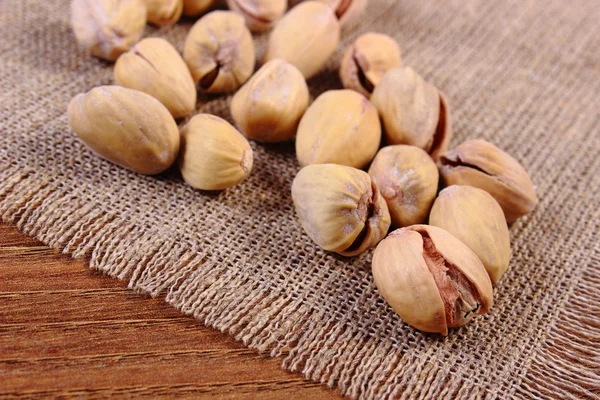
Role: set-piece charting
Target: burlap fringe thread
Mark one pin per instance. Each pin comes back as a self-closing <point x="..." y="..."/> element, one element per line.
<point x="280" y="325"/>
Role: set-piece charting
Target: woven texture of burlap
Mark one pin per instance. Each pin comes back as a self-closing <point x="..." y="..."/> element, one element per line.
<point x="524" y="75"/>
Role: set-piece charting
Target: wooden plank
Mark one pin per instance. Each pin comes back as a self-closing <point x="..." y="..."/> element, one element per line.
<point x="66" y="331"/>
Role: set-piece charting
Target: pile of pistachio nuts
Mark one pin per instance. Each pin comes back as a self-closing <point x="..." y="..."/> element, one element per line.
<point x="350" y="190"/>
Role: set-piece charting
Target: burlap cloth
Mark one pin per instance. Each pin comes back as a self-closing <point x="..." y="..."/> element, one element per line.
<point x="524" y="75"/>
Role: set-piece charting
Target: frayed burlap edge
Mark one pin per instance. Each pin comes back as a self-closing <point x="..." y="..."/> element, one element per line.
<point x="276" y="324"/>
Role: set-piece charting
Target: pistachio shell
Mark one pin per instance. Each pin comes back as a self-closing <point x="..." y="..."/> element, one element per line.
<point x="340" y="127"/>
<point x="269" y="106"/>
<point x="260" y="15"/>
<point x="306" y="37"/>
<point x="367" y="60"/>
<point x="108" y="28"/>
<point x="430" y="278"/>
<point x="154" y="66"/>
<point x="127" y="127"/>
<point x="481" y="164"/>
<point x="164" y="12"/>
<point x="193" y="8"/>
<point x="340" y="208"/>
<point x="347" y="11"/>
<point x="476" y="218"/>
<point x="408" y="181"/>
<point x="413" y="111"/>
<point x="219" y="52"/>
<point x="214" y="155"/>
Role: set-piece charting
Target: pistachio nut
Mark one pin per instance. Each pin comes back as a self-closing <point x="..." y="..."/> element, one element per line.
<point x="339" y="127"/>
<point x="340" y="208"/>
<point x="306" y="37"/>
<point x="164" y="12"/>
<point x="260" y="15"/>
<point x="214" y="155"/>
<point x="413" y="111"/>
<point x="153" y="66"/>
<point x="127" y="127"/>
<point x="367" y="60"/>
<point x="476" y="218"/>
<point x="193" y="8"/>
<point x="408" y="181"/>
<point x="269" y="106"/>
<point x="219" y="52"/>
<point x="481" y="164"/>
<point x="108" y="28"/>
<point x="431" y="279"/>
<point x="347" y="11"/>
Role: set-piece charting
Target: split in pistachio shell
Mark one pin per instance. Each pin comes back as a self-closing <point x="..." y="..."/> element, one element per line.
<point x="413" y="111"/>
<point x="153" y="66"/>
<point x="219" y="52"/>
<point x="214" y="155"/>
<point x="108" y="28"/>
<point x="476" y="218"/>
<point x="260" y="15"/>
<point x="367" y="60"/>
<point x="164" y="12"/>
<point x="127" y="127"/>
<point x="408" y="181"/>
<point x="347" y="11"/>
<point x="481" y="164"/>
<point x="340" y="208"/>
<point x="193" y="8"/>
<point x="306" y="37"/>
<point x="430" y="278"/>
<point x="339" y="127"/>
<point x="269" y="106"/>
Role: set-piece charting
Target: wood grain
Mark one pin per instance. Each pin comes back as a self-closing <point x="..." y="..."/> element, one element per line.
<point x="67" y="331"/>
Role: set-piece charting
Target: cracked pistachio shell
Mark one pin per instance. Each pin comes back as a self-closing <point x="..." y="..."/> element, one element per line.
<point x="413" y="111"/>
<point x="481" y="164"/>
<point x="476" y="218"/>
<point x="408" y="181"/>
<point x="431" y="279"/>
<point x="347" y="11"/>
<point x="193" y="8"/>
<point x="164" y="12"/>
<point x="269" y="106"/>
<point x="127" y="127"/>
<point x="260" y="15"/>
<point x="214" y="155"/>
<point x="367" y="60"/>
<point x="108" y="28"/>
<point x="153" y="66"/>
<point x="306" y="37"/>
<point x="339" y="127"/>
<point x="219" y="52"/>
<point x="340" y="208"/>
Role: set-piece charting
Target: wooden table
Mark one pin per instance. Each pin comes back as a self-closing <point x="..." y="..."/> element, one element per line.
<point x="68" y="331"/>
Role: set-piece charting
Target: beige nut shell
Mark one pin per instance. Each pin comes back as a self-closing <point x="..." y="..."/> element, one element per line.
<point x="306" y="37"/>
<point x="127" y="127"/>
<point x="367" y="60"/>
<point x="269" y="106"/>
<point x="340" y="208"/>
<point x="481" y="164"/>
<point x="476" y="218"/>
<point x="347" y="11"/>
<point x="219" y="52"/>
<point x="214" y="155"/>
<point x="407" y="282"/>
<point x="155" y="67"/>
<point x="260" y="15"/>
<point x="413" y="111"/>
<point x="408" y="181"/>
<point x="193" y="8"/>
<point x="340" y="127"/>
<point x="108" y="28"/>
<point x="164" y="12"/>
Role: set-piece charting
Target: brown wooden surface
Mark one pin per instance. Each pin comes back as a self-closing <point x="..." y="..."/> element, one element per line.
<point x="68" y="331"/>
